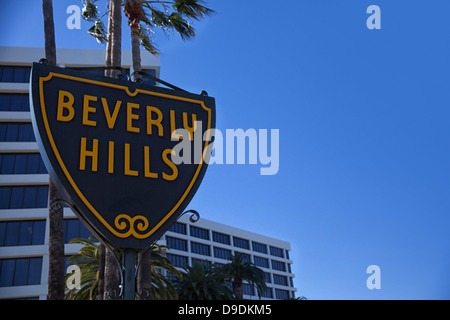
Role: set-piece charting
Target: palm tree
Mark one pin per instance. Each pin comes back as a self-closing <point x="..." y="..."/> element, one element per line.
<point x="167" y="15"/>
<point x="174" y="17"/>
<point x="161" y="287"/>
<point x="56" y="232"/>
<point x="240" y="269"/>
<point x="203" y="281"/>
<point x="110" y="273"/>
<point x="88" y="261"/>
<point x="145" y="16"/>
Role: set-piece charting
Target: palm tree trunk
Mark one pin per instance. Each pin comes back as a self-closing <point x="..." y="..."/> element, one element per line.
<point x="101" y="247"/>
<point x="101" y="271"/>
<point x="49" y="32"/>
<point x="111" y="280"/>
<point x="144" y="280"/>
<point x="135" y="49"/>
<point x="109" y="42"/>
<point x="112" y="276"/>
<point x="238" y="289"/>
<point x="144" y="275"/>
<point x="116" y="36"/>
<point x="134" y="11"/>
<point x="55" y="247"/>
<point x="56" y="232"/>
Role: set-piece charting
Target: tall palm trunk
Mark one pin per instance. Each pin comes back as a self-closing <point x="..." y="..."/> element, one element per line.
<point x="135" y="13"/>
<point x="56" y="232"/>
<point x="136" y="50"/>
<point x="144" y="275"/>
<point x="116" y="43"/>
<point x="238" y="289"/>
<point x="101" y="247"/>
<point x="111" y="272"/>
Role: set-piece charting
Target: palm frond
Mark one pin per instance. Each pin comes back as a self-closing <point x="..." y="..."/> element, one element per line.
<point x="145" y="38"/>
<point x="89" y="11"/>
<point x="192" y="9"/>
<point x="98" y="32"/>
<point x="182" y="26"/>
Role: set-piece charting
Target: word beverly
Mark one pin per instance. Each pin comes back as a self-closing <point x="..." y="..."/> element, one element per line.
<point x="214" y="154"/>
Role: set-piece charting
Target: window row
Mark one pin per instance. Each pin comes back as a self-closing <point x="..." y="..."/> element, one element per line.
<point x="23" y="197"/>
<point x="74" y="228"/>
<point x="279" y="279"/>
<point x="20" y="272"/>
<point x="18" y="132"/>
<point x="22" y="74"/>
<point x="183" y="261"/>
<point x="15" y="74"/>
<point x="201" y="233"/>
<point x="22" y="233"/>
<point x="222" y="253"/>
<point x="268" y="293"/>
<point x="26" y="163"/>
<point x="14" y="102"/>
<point x="25" y="233"/>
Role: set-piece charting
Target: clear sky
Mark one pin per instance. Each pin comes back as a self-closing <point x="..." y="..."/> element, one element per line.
<point x="363" y="116"/>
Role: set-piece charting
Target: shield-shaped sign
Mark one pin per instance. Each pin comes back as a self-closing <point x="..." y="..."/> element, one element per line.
<point x="115" y="150"/>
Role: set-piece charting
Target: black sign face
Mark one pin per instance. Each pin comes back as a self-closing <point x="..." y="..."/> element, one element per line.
<point x="109" y="148"/>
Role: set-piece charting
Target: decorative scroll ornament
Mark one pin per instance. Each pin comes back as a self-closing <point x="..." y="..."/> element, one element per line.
<point x="125" y="222"/>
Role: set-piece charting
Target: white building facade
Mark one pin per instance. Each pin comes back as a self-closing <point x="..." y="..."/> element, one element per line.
<point x="214" y="242"/>
<point x="24" y="196"/>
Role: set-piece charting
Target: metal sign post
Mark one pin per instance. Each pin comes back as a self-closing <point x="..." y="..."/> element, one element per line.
<point x="129" y="279"/>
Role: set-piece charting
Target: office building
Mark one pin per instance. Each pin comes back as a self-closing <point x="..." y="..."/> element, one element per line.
<point x="214" y="242"/>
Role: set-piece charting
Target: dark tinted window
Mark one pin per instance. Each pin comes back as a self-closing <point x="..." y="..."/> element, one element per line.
<point x="14" y="102"/>
<point x="16" y="132"/>
<point x="23" y="197"/>
<point x="15" y="74"/>
<point x="20" y="272"/>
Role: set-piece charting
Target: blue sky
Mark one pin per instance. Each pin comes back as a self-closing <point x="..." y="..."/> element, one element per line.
<point x="364" y="136"/>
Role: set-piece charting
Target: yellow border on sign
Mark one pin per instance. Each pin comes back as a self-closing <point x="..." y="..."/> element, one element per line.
<point x="143" y="224"/>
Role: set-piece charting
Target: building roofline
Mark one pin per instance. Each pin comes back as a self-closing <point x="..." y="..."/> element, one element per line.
<point x="72" y="57"/>
<point x="223" y="228"/>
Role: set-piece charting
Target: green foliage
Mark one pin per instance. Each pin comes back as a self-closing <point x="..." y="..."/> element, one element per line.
<point x="192" y="9"/>
<point x="98" y="32"/>
<point x="90" y="13"/>
<point x="240" y="269"/>
<point x="87" y="260"/>
<point x="162" y="288"/>
<point x="169" y="16"/>
<point x="203" y="281"/>
<point x="144" y="36"/>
